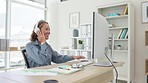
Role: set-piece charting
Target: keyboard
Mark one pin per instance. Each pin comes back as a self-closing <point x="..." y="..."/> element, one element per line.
<point x="86" y="62"/>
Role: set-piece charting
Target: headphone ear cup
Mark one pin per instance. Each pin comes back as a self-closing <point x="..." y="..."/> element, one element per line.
<point x="36" y="29"/>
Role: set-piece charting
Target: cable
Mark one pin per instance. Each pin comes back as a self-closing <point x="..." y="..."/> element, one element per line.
<point x="113" y="67"/>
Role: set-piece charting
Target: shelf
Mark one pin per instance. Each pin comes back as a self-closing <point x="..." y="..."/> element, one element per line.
<point x="112" y="5"/>
<point x="119" y="39"/>
<point x="81" y="37"/>
<point x="122" y="26"/>
<point x="13" y="49"/>
<point x="120" y="50"/>
<point x="81" y="44"/>
<point x="114" y="28"/>
<point x="8" y="50"/>
<point x="116" y="17"/>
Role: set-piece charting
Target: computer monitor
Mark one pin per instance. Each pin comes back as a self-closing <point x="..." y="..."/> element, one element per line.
<point x="100" y="39"/>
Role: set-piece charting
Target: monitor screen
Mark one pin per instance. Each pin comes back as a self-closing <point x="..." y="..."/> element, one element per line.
<point x="100" y="37"/>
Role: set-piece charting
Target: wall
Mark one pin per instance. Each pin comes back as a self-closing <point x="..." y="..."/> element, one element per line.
<point x="52" y="15"/>
<point x="141" y="51"/>
<point x="86" y="7"/>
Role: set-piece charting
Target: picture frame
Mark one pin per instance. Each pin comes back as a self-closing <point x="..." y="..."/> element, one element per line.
<point x="144" y="9"/>
<point x="146" y="38"/>
<point x="74" y="20"/>
<point x="63" y="0"/>
<point x="86" y="30"/>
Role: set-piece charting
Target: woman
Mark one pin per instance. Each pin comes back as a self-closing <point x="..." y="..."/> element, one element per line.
<point x="39" y="52"/>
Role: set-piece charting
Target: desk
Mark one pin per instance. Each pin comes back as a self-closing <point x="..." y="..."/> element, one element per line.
<point x="91" y="74"/>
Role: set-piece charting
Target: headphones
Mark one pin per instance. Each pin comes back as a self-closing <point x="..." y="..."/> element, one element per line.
<point x="36" y="29"/>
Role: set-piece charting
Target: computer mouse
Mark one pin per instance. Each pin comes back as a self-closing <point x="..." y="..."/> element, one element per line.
<point x="84" y="60"/>
<point x="51" y="81"/>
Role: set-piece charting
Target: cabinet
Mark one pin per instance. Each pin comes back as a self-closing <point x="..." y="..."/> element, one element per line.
<point x="80" y="42"/>
<point x="146" y="68"/>
<point x="120" y="17"/>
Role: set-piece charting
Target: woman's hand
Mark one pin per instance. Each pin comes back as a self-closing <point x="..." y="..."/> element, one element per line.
<point x="78" y="57"/>
<point x="41" y="37"/>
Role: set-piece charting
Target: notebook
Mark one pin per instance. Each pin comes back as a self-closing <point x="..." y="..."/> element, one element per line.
<point x="64" y="69"/>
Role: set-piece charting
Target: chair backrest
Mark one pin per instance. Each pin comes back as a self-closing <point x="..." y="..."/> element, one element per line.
<point x="25" y="57"/>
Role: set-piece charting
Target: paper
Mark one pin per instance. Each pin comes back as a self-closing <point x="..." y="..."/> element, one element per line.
<point x="64" y="70"/>
<point x="36" y="72"/>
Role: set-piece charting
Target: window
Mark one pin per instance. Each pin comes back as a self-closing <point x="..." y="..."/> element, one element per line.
<point x="2" y="30"/>
<point x="39" y="1"/>
<point x="24" y="14"/>
<point x="23" y="19"/>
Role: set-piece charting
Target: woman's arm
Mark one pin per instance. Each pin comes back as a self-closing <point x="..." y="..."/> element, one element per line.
<point x="58" y="58"/>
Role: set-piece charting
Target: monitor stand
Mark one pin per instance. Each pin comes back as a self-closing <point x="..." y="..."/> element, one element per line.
<point x="103" y="64"/>
<point x="102" y="61"/>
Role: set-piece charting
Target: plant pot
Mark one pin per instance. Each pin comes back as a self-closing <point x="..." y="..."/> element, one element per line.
<point x="118" y="47"/>
<point x="80" y="46"/>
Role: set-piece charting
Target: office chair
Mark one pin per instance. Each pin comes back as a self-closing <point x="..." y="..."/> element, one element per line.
<point x="25" y="57"/>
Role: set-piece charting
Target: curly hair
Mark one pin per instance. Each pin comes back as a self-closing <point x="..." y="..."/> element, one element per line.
<point x="39" y="25"/>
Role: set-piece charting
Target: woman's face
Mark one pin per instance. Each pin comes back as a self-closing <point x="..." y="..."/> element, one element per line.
<point x="45" y="30"/>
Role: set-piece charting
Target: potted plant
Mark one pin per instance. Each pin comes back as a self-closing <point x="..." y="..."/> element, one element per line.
<point x="80" y="44"/>
<point x="80" y="41"/>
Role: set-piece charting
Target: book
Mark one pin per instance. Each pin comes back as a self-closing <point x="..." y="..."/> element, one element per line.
<point x="73" y="43"/>
<point x="88" y="44"/>
<point x="89" y="30"/>
<point x="126" y="36"/>
<point x="118" y="37"/>
<point x="83" y="30"/>
<point x="125" y="11"/>
<point x="123" y="33"/>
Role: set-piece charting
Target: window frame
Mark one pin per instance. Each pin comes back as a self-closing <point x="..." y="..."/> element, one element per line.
<point x="8" y="26"/>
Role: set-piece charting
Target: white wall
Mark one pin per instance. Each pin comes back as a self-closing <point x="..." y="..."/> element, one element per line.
<point x="86" y="7"/>
<point x="52" y="15"/>
<point x="141" y="51"/>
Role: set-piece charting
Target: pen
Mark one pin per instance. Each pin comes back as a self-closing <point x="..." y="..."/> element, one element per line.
<point x="64" y="68"/>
